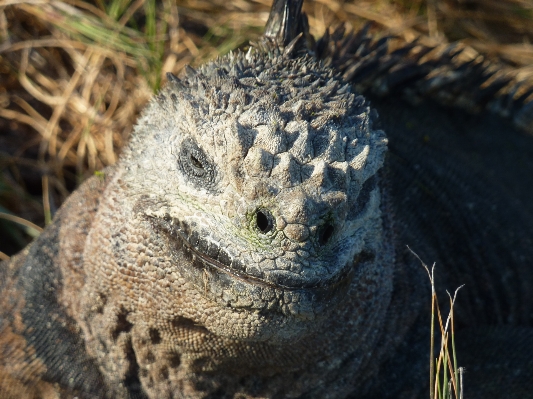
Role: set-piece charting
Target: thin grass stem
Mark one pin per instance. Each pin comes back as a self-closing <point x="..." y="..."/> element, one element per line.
<point x="26" y="223"/>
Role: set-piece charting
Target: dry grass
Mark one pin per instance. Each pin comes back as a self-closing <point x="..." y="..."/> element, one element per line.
<point x="445" y="374"/>
<point x="75" y="74"/>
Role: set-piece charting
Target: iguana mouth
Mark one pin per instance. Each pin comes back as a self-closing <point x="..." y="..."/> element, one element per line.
<point x="204" y="254"/>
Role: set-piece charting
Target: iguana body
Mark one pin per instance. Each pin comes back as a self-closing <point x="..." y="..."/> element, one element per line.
<point x="249" y="243"/>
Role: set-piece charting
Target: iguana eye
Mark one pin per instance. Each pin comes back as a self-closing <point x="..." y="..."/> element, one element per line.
<point x="195" y="165"/>
<point x="195" y="162"/>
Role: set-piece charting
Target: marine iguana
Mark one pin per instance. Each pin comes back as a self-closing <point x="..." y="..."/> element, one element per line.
<point x="251" y="240"/>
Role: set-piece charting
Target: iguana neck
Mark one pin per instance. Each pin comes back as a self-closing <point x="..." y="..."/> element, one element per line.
<point x="141" y="316"/>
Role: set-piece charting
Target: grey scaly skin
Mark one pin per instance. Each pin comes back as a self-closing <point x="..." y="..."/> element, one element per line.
<point x="254" y="190"/>
<point x="250" y="243"/>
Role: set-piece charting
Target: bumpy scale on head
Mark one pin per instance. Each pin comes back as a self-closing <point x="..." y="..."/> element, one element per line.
<point x="264" y="169"/>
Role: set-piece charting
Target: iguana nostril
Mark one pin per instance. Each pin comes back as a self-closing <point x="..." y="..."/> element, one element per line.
<point x="325" y="234"/>
<point x="264" y="221"/>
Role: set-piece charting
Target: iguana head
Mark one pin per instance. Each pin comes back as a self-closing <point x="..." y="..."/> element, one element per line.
<point x="260" y="171"/>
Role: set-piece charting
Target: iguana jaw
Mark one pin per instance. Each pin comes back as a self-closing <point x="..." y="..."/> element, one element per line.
<point x="279" y="311"/>
<point x="208" y="256"/>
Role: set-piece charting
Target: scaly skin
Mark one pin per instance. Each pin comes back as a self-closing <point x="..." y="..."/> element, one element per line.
<point x="249" y="243"/>
<point x="178" y="242"/>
